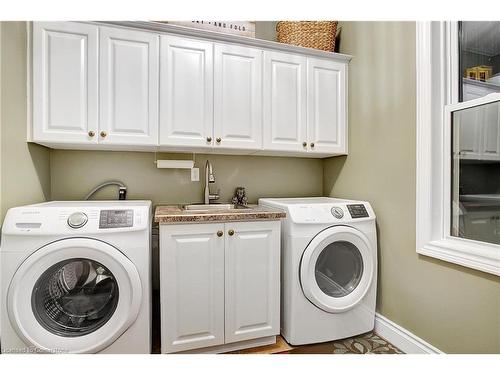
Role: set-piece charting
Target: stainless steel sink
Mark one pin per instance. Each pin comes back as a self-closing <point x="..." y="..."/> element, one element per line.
<point x="214" y="207"/>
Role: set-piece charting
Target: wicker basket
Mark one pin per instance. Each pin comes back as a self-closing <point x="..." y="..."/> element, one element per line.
<point x="311" y="34"/>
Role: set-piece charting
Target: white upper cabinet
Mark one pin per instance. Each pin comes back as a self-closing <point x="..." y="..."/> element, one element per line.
<point x="110" y="87"/>
<point x="285" y="104"/>
<point x="65" y="83"/>
<point x="491" y="133"/>
<point x="186" y="92"/>
<point x="479" y="129"/>
<point x="327" y="110"/>
<point x="238" y="97"/>
<point x="129" y="63"/>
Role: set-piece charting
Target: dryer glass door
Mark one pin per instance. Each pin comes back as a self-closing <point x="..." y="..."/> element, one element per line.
<point x="74" y="295"/>
<point x="337" y="269"/>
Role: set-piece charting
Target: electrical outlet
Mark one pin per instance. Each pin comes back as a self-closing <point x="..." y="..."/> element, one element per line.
<point x="195" y="174"/>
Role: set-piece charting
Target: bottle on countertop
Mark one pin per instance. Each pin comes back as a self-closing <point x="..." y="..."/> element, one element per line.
<point x="240" y="197"/>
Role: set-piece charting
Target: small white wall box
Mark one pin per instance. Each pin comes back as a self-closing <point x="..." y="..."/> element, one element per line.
<point x="175" y="164"/>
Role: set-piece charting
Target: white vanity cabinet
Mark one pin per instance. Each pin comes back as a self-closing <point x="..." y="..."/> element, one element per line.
<point x="219" y="284"/>
<point x="192" y="286"/>
<point x="252" y="280"/>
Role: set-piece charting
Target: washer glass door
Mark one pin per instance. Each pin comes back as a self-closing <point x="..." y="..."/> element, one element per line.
<point x="74" y="295"/>
<point x="337" y="268"/>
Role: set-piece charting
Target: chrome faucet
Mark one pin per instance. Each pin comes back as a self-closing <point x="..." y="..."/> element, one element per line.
<point x="209" y="179"/>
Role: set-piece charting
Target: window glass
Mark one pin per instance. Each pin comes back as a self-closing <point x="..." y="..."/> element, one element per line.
<point x="475" y="205"/>
<point x="479" y="59"/>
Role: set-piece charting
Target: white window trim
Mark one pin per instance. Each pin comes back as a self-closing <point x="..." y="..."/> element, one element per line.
<point x="437" y="86"/>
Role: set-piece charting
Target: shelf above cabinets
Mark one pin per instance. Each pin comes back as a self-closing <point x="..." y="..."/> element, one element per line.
<point x="120" y="87"/>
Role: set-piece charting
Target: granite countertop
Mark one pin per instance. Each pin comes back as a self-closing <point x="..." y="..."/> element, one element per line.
<point x="174" y="214"/>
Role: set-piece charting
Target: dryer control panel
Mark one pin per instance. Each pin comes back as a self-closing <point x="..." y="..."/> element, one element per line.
<point x="321" y="210"/>
<point x="357" y="210"/>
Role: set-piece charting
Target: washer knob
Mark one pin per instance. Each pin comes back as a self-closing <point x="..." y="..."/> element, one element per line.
<point x="337" y="212"/>
<point x="77" y="220"/>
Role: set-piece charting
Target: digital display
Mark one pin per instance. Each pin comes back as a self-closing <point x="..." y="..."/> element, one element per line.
<point x="357" y="210"/>
<point x="116" y="219"/>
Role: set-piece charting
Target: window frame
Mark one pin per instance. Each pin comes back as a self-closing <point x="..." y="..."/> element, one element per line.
<point x="437" y="65"/>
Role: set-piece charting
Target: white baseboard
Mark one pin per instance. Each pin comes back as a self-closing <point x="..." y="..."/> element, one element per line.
<point x="402" y="338"/>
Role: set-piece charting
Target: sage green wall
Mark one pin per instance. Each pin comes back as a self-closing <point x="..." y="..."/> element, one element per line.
<point x="74" y="173"/>
<point x="265" y="30"/>
<point x="25" y="173"/>
<point x="454" y="308"/>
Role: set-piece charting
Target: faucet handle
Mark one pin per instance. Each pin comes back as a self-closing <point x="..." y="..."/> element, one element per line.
<point x="214" y="197"/>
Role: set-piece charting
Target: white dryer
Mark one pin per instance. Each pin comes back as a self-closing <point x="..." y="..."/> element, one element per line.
<point x="329" y="268"/>
<point x="75" y="278"/>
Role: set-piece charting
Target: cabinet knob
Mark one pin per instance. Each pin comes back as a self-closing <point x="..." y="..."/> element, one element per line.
<point x="91" y="133"/>
<point x="103" y="134"/>
<point x="312" y="144"/>
<point x="218" y="140"/>
<point x="304" y="144"/>
<point x="209" y="139"/>
<point x="230" y="232"/>
<point x="219" y="233"/>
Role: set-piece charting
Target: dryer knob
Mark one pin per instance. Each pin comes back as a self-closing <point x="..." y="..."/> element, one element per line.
<point x="77" y="220"/>
<point x="337" y="212"/>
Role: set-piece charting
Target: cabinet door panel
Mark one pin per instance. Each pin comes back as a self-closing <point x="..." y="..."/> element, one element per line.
<point x="327" y="115"/>
<point x="64" y="82"/>
<point x="252" y="280"/>
<point x="186" y="109"/>
<point x="470" y="132"/>
<point x="129" y="87"/>
<point x="238" y="97"/>
<point x="285" y="105"/>
<point x="192" y="286"/>
<point x="491" y="133"/>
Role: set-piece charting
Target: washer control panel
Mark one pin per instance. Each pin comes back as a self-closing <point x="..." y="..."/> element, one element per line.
<point x="357" y="210"/>
<point x="116" y="219"/>
<point x="77" y="220"/>
<point x="337" y="212"/>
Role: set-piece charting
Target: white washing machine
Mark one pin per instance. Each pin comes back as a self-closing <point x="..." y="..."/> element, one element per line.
<point x="329" y="268"/>
<point x="75" y="278"/>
